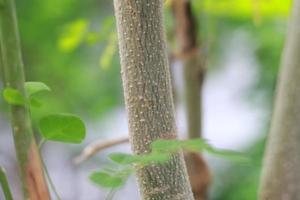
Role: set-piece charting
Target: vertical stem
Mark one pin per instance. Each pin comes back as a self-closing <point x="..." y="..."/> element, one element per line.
<point x="281" y="169"/>
<point x="5" y="185"/>
<point x="148" y="96"/>
<point x="31" y="170"/>
<point x="186" y="37"/>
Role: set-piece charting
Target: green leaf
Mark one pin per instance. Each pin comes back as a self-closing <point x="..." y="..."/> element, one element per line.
<point x="170" y="146"/>
<point x="73" y="35"/>
<point x="107" y="180"/>
<point x="13" y="96"/>
<point x="229" y="154"/>
<point x="35" y="103"/>
<point x="35" y="87"/>
<point x="154" y="157"/>
<point x="63" y="128"/>
<point x="109" y="51"/>
<point x="194" y="145"/>
<point x="123" y="158"/>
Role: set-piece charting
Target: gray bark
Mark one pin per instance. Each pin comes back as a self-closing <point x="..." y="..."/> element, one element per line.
<point x="148" y="96"/>
<point x="281" y="170"/>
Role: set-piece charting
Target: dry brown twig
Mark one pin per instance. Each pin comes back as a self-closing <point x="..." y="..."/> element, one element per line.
<point x="98" y="146"/>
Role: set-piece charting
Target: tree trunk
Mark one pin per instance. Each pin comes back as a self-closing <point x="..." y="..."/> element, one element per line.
<point x="186" y="36"/>
<point x="281" y="169"/>
<point x="148" y="96"/>
<point x="33" y="182"/>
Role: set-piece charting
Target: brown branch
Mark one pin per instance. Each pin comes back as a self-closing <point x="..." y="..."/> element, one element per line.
<point x="98" y="146"/>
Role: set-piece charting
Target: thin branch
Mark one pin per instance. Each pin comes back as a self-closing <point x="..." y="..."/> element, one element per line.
<point x="50" y="180"/>
<point x="5" y="185"/>
<point x="98" y="146"/>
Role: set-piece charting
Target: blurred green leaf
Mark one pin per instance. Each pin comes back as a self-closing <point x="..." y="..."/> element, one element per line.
<point x="13" y="96"/>
<point x="107" y="180"/>
<point x="229" y="154"/>
<point x="63" y="128"/>
<point x="244" y="8"/>
<point x="35" y="87"/>
<point x="195" y="145"/>
<point x="109" y="51"/>
<point x="154" y="157"/>
<point x="35" y="103"/>
<point x="123" y="158"/>
<point x="166" y="145"/>
<point x="73" y="35"/>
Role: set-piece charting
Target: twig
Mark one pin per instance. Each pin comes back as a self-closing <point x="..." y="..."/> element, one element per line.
<point x="5" y="185"/>
<point x="50" y="180"/>
<point x="97" y="146"/>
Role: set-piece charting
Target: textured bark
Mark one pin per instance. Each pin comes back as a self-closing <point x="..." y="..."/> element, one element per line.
<point x="34" y="184"/>
<point x="186" y="35"/>
<point x="281" y="169"/>
<point x="148" y="96"/>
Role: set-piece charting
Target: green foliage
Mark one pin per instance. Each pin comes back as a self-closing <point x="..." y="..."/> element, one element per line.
<point x="234" y="183"/>
<point x="34" y="102"/>
<point x="108" y="180"/>
<point x="63" y="128"/>
<point x="57" y="127"/>
<point x="109" y="51"/>
<point x="13" y="96"/>
<point x="73" y="35"/>
<point x="244" y="8"/>
<point x="195" y="145"/>
<point x="35" y="88"/>
<point x="125" y="159"/>
<point x="162" y="151"/>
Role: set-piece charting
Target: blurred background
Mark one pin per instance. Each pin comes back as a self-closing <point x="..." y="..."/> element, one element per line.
<point x="72" y="47"/>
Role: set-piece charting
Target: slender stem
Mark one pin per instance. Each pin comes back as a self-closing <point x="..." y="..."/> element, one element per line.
<point x="41" y="143"/>
<point x="50" y="181"/>
<point x="194" y="69"/>
<point x="5" y="185"/>
<point x="31" y="171"/>
<point x="98" y="146"/>
<point x="111" y="194"/>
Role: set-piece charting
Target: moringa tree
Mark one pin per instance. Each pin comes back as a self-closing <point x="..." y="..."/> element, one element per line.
<point x="281" y="169"/>
<point x="148" y="96"/>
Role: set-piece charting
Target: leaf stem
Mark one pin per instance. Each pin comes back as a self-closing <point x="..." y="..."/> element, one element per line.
<point x="111" y="194"/>
<point x="5" y="185"/>
<point x="41" y="143"/>
<point x="52" y="186"/>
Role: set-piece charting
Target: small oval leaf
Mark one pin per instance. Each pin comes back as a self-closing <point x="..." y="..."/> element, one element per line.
<point x="63" y="128"/>
<point x="13" y="96"/>
<point x="123" y="158"/>
<point x="106" y="180"/>
<point x="35" y="87"/>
